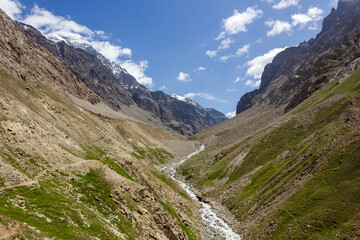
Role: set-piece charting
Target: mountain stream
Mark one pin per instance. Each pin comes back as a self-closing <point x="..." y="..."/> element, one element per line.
<point x="215" y="227"/>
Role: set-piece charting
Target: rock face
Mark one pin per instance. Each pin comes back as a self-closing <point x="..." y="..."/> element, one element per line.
<point x="115" y="85"/>
<point x="23" y="58"/>
<point x="298" y="72"/>
<point x="87" y="67"/>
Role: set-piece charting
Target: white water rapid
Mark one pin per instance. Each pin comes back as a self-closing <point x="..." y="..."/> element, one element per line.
<point x="215" y="227"/>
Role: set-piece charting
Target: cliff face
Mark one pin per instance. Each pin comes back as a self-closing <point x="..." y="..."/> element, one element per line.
<point x="298" y="72"/>
<point x="87" y="67"/>
<point x="21" y="57"/>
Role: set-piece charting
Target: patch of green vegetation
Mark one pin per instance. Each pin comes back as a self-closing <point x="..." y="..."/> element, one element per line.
<point x="349" y="86"/>
<point x="59" y="214"/>
<point x="156" y="155"/>
<point x="268" y="148"/>
<point x="169" y="182"/>
<point x="325" y="206"/>
<point x="92" y="153"/>
<point x="117" y="168"/>
<point x="190" y="234"/>
<point x="25" y="163"/>
<point x="121" y="131"/>
<point x="159" y="155"/>
<point x="2" y="182"/>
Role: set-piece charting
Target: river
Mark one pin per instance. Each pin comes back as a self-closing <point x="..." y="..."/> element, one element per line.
<point x="215" y="227"/>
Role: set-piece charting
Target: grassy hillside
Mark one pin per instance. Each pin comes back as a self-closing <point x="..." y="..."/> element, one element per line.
<point x="295" y="179"/>
<point x="67" y="173"/>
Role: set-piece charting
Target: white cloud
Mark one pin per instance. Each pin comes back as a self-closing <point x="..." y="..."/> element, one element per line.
<point x="229" y="90"/>
<point x="138" y="71"/>
<point x="184" y="77"/>
<point x="241" y="51"/>
<point x="206" y="96"/>
<point x="278" y="27"/>
<point x="200" y="69"/>
<point x="286" y="3"/>
<point x="257" y="65"/>
<point x="102" y="34"/>
<point x="238" y="79"/>
<point x="12" y="8"/>
<point x="211" y="53"/>
<point x="48" y="23"/>
<point x="253" y="83"/>
<point x="238" y="21"/>
<point x="58" y="28"/>
<point x="312" y="16"/>
<point x="162" y="88"/>
<point x="230" y="114"/>
<point x="225" y="43"/>
<point x="110" y="51"/>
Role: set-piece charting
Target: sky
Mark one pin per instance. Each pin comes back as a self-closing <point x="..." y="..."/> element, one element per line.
<point x="212" y="51"/>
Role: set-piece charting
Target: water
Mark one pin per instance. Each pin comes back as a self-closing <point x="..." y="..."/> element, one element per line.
<point x="215" y="226"/>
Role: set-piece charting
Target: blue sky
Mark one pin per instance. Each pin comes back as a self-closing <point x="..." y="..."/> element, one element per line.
<point x="212" y="51"/>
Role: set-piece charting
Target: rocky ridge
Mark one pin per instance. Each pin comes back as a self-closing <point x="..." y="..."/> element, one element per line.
<point x="166" y="108"/>
<point x="114" y="84"/>
<point x="298" y="72"/>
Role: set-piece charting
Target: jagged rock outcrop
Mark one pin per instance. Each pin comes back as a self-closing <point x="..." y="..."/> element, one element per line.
<point x="87" y="67"/>
<point x="23" y="58"/>
<point x="297" y="72"/>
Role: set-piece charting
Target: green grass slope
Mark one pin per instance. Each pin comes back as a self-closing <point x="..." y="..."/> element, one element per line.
<point x="295" y="180"/>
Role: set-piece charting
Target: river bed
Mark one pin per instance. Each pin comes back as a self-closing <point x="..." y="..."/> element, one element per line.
<point x="216" y="228"/>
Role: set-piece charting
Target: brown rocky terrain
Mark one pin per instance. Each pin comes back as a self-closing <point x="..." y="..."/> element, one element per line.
<point x="69" y="173"/>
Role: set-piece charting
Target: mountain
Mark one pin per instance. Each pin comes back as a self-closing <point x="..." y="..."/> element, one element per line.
<point x="287" y="166"/>
<point x="114" y="84"/>
<point x="300" y="71"/>
<point x="87" y="67"/>
<point x="69" y="172"/>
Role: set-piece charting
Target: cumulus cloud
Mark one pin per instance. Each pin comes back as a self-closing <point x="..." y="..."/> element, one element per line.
<point x="238" y="21"/>
<point x="312" y="16"/>
<point x="278" y="27"/>
<point x="206" y="96"/>
<point x="257" y="65"/>
<point x="230" y="114"/>
<point x="184" y="77"/>
<point x="211" y="53"/>
<point x="110" y="51"/>
<point x="48" y="23"/>
<point x="238" y="79"/>
<point x="253" y="83"/>
<point x="138" y="71"/>
<point x="162" y="88"/>
<point x="241" y="51"/>
<point x="225" y="43"/>
<point x="286" y="3"/>
<point x="12" y="8"/>
<point x="58" y="28"/>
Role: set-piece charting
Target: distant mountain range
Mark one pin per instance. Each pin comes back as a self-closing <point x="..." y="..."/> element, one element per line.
<point x="116" y="86"/>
